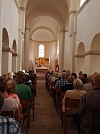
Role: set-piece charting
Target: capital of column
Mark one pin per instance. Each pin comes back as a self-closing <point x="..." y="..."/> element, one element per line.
<point x="7" y="49"/>
<point x="63" y="31"/>
<point x="27" y="28"/>
<point x="72" y="12"/>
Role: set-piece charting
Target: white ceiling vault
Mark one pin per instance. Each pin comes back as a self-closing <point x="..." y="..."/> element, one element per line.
<point x="46" y="18"/>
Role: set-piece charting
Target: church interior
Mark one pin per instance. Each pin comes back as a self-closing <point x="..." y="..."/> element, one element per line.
<point x="64" y="33"/>
<point x="52" y="35"/>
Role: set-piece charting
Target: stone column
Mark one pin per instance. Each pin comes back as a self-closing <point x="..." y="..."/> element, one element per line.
<point x="54" y="54"/>
<point x="19" y="65"/>
<point x="20" y="39"/>
<point x="26" y="54"/>
<point x="61" y="50"/>
<point x="72" y="35"/>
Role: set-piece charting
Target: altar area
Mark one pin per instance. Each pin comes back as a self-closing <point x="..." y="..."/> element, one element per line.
<point x="41" y="69"/>
<point x="42" y="64"/>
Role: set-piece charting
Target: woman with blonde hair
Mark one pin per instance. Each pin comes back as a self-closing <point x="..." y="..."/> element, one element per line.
<point x="10" y="76"/>
<point x="75" y="94"/>
<point x="11" y="89"/>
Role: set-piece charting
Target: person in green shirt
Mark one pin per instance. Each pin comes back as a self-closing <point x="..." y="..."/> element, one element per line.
<point x="23" y="91"/>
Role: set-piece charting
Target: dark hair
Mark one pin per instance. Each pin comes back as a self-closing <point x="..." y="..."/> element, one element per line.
<point x="30" y="72"/>
<point x="85" y="76"/>
<point x="74" y="74"/>
<point x="27" y="77"/>
<point x="20" y="77"/>
<point x="3" y="84"/>
<point x="1" y="101"/>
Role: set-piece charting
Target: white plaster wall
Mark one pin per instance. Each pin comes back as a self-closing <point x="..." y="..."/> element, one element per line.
<point x="10" y="20"/>
<point x="50" y="50"/>
<point x="94" y="65"/>
<point x="88" y="23"/>
<point x="33" y="53"/>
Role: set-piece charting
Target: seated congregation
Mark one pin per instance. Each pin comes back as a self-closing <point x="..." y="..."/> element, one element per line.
<point x="77" y="96"/>
<point x="17" y="96"/>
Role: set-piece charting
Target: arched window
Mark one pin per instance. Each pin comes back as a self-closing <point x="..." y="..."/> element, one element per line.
<point x="41" y="50"/>
<point x="81" y="2"/>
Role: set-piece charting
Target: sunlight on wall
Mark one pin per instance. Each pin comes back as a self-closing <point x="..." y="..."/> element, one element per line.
<point x="81" y="2"/>
<point x="58" y="47"/>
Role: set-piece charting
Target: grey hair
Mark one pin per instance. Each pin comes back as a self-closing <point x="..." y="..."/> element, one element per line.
<point x="77" y="83"/>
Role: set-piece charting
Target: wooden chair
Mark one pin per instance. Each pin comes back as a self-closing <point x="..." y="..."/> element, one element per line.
<point x="69" y="103"/>
<point x="51" y="88"/>
<point x="33" y="104"/>
<point x="35" y="82"/>
<point x="26" y="105"/>
<point x="94" y="123"/>
<point x="60" y="103"/>
<point x="8" y="113"/>
<point x="57" y="96"/>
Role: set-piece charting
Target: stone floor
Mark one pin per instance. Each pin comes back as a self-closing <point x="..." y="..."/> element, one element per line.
<point x="47" y="120"/>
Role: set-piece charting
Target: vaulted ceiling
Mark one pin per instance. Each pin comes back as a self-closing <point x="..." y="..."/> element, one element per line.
<point x="46" y="18"/>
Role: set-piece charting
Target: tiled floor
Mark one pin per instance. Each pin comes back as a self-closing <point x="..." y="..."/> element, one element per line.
<point x="47" y="120"/>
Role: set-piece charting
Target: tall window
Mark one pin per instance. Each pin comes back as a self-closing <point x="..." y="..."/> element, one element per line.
<point x="81" y="2"/>
<point x="41" y="50"/>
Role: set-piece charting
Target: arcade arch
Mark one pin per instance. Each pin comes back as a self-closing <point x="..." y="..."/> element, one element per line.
<point x="14" y="57"/>
<point x="95" y="54"/>
<point x="5" y="50"/>
<point x="79" y="58"/>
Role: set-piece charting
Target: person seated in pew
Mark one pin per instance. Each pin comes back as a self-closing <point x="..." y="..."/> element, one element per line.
<point x="33" y="77"/>
<point x="75" y="94"/>
<point x="74" y="74"/>
<point x="81" y="77"/>
<point x="23" y="91"/>
<point x="88" y="86"/>
<point x="9" y="102"/>
<point x="10" y="76"/>
<point x="8" y="125"/>
<point x="11" y="89"/>
<point x="27" y="82"/>
<point x="59" y="83"/>
<point x="88" y="100"/>
<point x="69" y="85"/>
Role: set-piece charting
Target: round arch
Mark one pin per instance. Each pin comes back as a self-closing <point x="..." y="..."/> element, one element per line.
<point x="95" y="56"/>
<point x="5" y="47"/>
<point x="46" y="28"/>
<point x="80" y="60"/>
<point x="5" y="38"/>
<point x="95" y="44"/>
<point x="14" y="56"/>
<point x="14" y="46"/>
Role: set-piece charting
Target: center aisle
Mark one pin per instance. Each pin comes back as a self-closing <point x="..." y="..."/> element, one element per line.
<point x="47" y="120"/>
